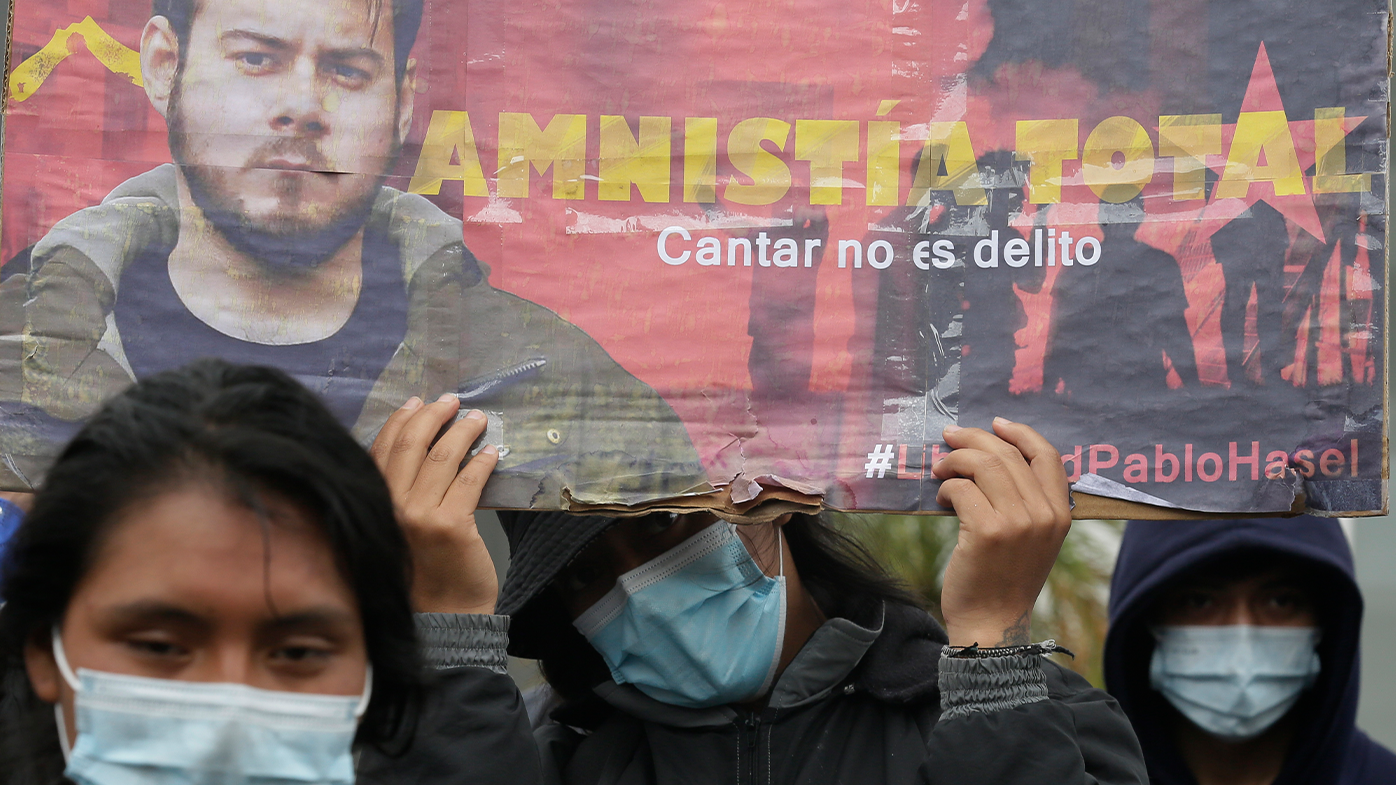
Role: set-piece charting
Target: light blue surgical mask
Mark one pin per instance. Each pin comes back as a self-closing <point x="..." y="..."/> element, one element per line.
<point x="699" y="626"/>
<point x="1234" y="681"/>
<point x="133" y="730"/>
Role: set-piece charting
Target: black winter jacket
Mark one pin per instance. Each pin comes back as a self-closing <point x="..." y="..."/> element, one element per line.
<point x="473" y="727"/>
<point x="865" y="701"/>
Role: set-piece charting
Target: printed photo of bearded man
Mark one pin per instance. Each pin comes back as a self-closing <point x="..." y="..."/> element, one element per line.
<point x="272" y="239"/>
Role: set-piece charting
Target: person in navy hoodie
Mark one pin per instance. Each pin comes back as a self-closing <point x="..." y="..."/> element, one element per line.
<point x="1233" y="649"/>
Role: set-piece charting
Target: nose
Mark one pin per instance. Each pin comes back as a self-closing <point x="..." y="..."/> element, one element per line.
<point x="300" y="106"/>
<point x="1239" y="611"/>
<point x="626" y="557"/>
<point x="303" y="125"/>
<point x="225" y="664"/>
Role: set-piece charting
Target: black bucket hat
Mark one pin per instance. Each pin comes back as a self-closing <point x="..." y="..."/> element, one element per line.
<point x="541" y="544"/>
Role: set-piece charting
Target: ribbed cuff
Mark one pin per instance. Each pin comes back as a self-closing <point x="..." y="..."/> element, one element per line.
<point x="969" y="685"/>
<point x="457" y="640"/>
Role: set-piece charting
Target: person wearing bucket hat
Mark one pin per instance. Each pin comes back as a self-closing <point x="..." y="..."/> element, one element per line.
<point x="684" y="648"/>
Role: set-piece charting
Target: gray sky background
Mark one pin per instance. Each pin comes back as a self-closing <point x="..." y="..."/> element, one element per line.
<point x="1374" y="543"/>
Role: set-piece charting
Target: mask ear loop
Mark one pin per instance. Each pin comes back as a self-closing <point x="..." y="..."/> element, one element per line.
<point x="780" y="549"/>
<point x="368" y="693"/>
<point x="62" y="733"/>
<point x="61" y="657"/>
<point x="784" y="610"/>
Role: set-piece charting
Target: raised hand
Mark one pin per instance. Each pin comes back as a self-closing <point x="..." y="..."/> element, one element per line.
<point x="1010" y="492"/>
<point x="435" y="499"/>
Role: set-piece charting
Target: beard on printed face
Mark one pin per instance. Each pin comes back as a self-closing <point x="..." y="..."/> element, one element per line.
<point x="314" y="209"/>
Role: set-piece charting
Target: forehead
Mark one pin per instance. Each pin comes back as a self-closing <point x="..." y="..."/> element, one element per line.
<point x="330" y="23"/>
<point x="197" y="547"/>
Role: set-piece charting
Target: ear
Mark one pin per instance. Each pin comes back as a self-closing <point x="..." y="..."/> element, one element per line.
<point x="406" y="96"/>
<point x="159" y="62"/>
<point x="42" y="667"/>
<point x="763" y="542"/>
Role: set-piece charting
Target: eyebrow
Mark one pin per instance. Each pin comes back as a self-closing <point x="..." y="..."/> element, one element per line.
<point x="271" y="41"/>
<point x="147" y="611"/>
<point x="261" y="38"/>
<point x="323" y="617"/>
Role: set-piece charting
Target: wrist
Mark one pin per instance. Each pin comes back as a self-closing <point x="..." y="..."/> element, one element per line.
<point x="983" y="640"/>
<point x="456" y="608"/>
<point x="479" y="602"/>
<point x="999" y="631"/>
<point x="453" y="607"/>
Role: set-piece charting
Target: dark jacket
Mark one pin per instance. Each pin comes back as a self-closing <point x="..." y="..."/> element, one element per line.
<point x="1327" y="748"/>
<point x="573" y="419"/>
<point x="865" y="701"/>
<point x="470" y="700"/>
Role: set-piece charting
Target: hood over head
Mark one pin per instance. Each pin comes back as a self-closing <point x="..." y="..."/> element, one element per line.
<point x="1155" y="554"/>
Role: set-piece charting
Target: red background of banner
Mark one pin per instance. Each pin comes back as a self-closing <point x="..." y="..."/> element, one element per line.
<point x="684" y="330"/>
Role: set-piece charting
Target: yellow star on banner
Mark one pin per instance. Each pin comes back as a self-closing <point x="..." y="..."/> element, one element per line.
<point x="116" y="56"/>
<point x="1267" y="156"/>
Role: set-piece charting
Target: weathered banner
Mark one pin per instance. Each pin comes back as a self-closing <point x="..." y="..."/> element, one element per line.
<point x="725" y="252"/>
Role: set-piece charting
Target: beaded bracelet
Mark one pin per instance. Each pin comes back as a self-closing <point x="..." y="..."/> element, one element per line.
<point x="974" y="651"/>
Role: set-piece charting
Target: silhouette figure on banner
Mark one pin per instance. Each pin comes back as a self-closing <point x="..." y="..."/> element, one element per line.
<point x="1251" y="250"/>
<point x="1119" y="324"/>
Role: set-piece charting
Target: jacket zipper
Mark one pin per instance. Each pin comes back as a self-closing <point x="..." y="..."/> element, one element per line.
<point x="481" y="386"/>
<point x="749" y="739"/>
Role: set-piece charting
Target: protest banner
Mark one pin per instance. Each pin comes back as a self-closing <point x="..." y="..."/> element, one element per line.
<point x="738" y="254"/>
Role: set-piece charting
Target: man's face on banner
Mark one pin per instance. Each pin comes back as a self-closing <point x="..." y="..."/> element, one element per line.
<point x="284" y="116"/>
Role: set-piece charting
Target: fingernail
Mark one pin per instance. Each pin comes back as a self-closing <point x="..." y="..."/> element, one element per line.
<point x="953" y="428"/>
<point x="1003" y="421"/>
<point x="489" y="449"/>
<point x="446" y="397"/>
<point x="412" y="403"/>
<point x="475" y="414"/>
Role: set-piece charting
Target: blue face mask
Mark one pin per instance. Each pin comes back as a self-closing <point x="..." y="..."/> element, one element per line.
<point x="699" y="626"/>
<point x="1234" y="681"/>
<point x="134" y="730"/>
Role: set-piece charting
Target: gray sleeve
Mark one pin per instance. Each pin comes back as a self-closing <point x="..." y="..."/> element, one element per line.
<point x="455" y="640"/>
<point x="471" y="725"/>
<point x="999" y="712"/>
<point x="969" y="685"/>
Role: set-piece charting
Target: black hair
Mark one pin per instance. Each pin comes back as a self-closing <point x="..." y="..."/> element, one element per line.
<point x="838" y="571"/>
<point x="842" y="576"/>
<point x="407" y="19"/>
<point x="249" y="431"/>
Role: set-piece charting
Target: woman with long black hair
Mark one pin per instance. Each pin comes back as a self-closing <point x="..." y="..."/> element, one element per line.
<point x="213" y="587"/>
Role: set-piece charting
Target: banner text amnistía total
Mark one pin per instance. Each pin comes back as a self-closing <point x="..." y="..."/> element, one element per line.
<point x="683" y="249"/>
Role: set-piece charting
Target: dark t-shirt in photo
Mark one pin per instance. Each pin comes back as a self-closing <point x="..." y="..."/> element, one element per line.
<point x="158" y="332"/>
